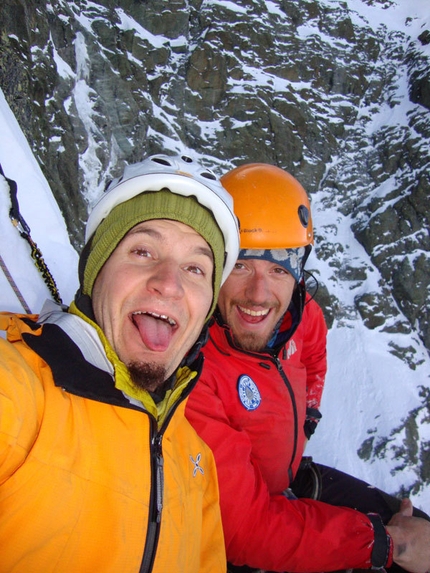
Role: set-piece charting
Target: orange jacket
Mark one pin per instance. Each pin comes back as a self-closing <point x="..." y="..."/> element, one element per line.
<point x="89" y="482"/>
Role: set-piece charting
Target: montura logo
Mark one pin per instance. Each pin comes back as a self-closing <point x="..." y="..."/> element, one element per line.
<point x="197" y="467"/>
<point x="292" y="348"/>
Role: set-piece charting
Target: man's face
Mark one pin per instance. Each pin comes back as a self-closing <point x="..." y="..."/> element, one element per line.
<point x="253" y="299"/>
<point x="153" y="294"/>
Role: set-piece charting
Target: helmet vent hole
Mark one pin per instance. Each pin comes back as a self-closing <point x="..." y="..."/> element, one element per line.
<point x="161" y="161"/>
<point x="304" y="215"/>
<point x="186" y="159"/>
<point x="208" y="175"/>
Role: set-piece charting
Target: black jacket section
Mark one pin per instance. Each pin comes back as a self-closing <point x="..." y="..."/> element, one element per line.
<point x="72" y="372"/>
<point x="70" y="369"/>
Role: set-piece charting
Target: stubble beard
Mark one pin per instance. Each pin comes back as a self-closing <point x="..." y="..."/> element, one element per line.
<point x="251" y="342"/>
<point x="147" y="375"/>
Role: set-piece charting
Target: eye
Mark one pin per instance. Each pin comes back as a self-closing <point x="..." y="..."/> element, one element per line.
<point x="239" y="266"/>
<point x="141" y="252"/>
<point x="280" y="271"/>
<point x="195" y="270"/>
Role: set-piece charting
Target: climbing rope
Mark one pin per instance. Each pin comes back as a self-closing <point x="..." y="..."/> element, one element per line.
<point x="14" y="286"/>
<point x="24" y="230"/>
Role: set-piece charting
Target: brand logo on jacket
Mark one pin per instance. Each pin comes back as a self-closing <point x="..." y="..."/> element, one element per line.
<point x="197" y="467"/>
<point x="248" y="393"/>
<point x="292" y="348"/>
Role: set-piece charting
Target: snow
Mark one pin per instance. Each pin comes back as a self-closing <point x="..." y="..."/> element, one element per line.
<point x="157" y="41"/>
<point x="41" y="213"/>
<point x="369" y="391"/>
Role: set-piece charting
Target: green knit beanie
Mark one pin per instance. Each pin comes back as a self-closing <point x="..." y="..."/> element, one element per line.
<point x="144" y="207"/>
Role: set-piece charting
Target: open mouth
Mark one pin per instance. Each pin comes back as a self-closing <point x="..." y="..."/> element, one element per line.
<point x="254" y="313"/>
<point x="156" y="330"/>
<point x="157" y="316"/>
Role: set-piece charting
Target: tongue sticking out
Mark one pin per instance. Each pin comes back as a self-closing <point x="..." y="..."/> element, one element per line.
<point x="156" y="333"/>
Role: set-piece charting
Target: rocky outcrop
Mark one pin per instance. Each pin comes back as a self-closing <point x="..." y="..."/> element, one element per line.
<point x="304" y="85"/>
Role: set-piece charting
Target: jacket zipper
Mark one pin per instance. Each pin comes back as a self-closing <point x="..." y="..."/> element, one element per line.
<point x="294" y="406"/>
<point x="157" y="487"/>
<point x="156" y="500"/>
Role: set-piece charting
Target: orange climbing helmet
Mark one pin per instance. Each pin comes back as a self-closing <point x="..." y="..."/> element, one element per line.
<point x="272" y="207"/>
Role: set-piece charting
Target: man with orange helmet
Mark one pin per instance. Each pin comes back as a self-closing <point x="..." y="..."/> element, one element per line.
<point x="257" y="403"/>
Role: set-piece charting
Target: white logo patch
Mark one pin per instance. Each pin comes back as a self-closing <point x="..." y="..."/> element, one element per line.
<point x="248" y="393"/>
<point x="292" y="348"/>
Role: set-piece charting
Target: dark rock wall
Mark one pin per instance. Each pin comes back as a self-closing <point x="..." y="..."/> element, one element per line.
<point x="297" y="83"/>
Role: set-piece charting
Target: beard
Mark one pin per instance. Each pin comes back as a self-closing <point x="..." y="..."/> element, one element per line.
<point x="251" y="342"/>
<point x="147" y="375"/>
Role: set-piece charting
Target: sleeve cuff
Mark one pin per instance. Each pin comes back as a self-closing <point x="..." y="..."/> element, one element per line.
<point x="313" y="416"/>
<point x="382" y="551"/>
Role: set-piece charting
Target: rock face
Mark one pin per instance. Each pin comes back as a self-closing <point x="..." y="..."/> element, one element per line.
<point x="304" y="85"/>
<point x="310" y="85"/>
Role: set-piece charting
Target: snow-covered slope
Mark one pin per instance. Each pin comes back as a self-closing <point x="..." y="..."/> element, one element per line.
<point x="41" y="213"/>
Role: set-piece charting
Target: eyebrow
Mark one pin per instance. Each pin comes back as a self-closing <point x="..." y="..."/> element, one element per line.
<point x="207" y="251"/>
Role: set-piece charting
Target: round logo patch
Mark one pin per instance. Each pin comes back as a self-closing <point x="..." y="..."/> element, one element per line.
<point x="248" y="393"/>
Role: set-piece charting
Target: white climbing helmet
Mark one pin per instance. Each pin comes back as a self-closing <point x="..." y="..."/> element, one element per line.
<point x="182" y="176"/>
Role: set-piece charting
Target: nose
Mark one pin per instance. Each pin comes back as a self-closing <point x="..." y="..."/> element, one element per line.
<point x="166" y="280"/>
<point x="257" y="289"/>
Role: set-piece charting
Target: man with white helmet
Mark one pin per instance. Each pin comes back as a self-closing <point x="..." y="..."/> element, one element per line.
<point x="257" y="402"/>
<point x="99" y="469"/>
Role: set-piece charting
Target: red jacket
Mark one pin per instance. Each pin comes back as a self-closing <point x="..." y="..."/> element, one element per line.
<point x="251" y="410"/>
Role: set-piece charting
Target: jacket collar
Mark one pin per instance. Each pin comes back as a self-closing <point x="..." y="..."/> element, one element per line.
<point x="66" y="338"/>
